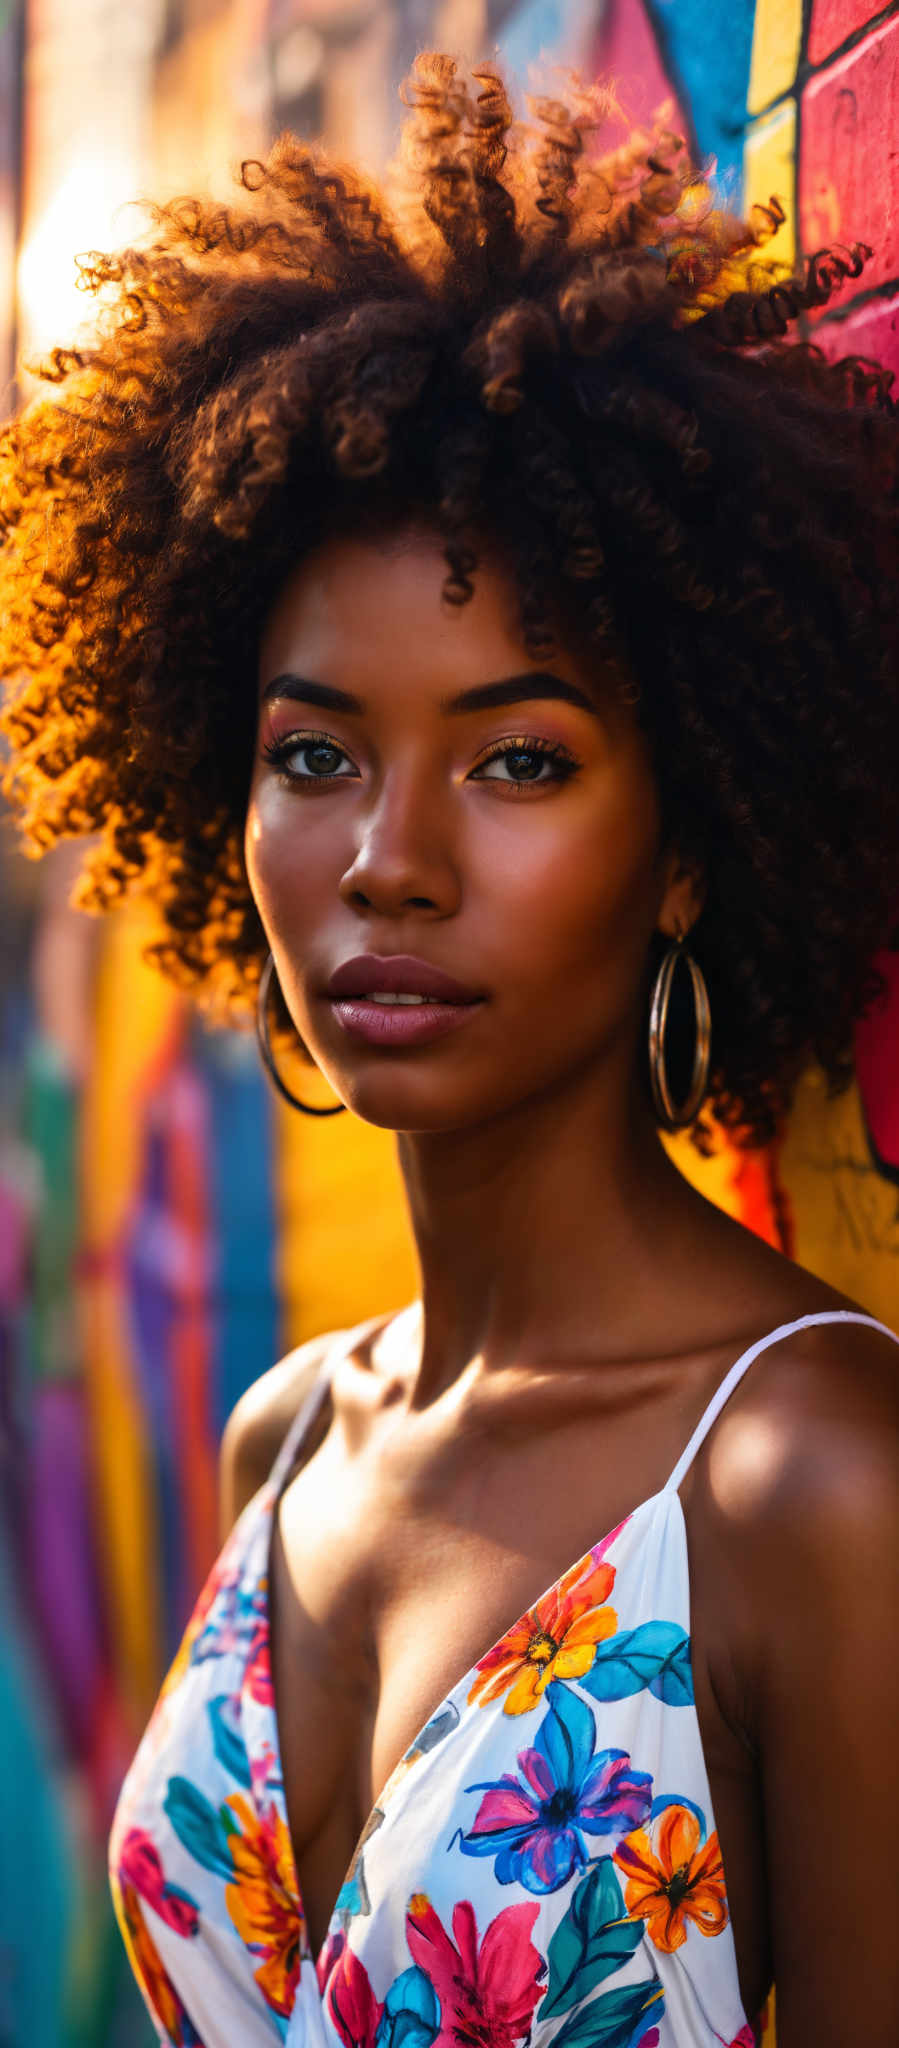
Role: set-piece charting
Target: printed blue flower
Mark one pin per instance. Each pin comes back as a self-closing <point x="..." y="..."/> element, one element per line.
<point x="411" y="2015"/>
<point x="536" y="1829"/>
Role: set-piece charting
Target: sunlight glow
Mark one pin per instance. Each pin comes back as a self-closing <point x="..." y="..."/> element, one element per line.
<point x="83" y="213"/>
<point x="746" y="1460"/>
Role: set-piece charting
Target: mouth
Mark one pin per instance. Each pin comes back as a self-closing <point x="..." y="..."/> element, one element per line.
<point x="400" y="976"/>
<point x="398" y="1000"/>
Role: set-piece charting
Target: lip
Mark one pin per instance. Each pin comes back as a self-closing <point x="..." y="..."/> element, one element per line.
<point x="398" y="973"/>
<point x="398" y="1025"/>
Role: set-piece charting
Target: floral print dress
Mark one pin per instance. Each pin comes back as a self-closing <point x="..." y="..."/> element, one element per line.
<point x="542" y="1866"/>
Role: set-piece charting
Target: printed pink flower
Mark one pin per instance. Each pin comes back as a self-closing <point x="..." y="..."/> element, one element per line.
<point x="140" y="1867"/>
<point x="257" y="1678"/>
<point x="330" y="1956"/>
<point x="265" y="1774"/>
<point x="487" y="1994"/>
<point x="352" y="2004"/>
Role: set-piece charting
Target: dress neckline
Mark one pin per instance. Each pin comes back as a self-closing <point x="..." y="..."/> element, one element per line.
<point x="591" y="1556"/>
<point x="284" y="1471"/>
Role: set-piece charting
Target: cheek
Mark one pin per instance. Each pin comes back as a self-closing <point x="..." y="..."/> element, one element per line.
<point x="257" y="852"/>
<point x="270" y="853"/>
<point x="583" y="889"/>
<point x="290" y="854"/>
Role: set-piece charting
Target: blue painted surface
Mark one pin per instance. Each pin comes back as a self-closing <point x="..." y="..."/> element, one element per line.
<point x="243" y="1223"/>
<point x="707" y="53"/>
<point x="540" y="25"/>
<point x="38" y="1871"/>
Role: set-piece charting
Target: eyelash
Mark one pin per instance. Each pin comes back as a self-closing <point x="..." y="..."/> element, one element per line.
<point x="279" y="751"/>
<point x="564" y="763"/>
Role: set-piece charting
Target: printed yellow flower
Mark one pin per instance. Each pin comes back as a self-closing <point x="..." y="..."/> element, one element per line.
<point x="263" y="1900"/>
<point x="671" y="1879"/>
<point x="555" y="1639"/>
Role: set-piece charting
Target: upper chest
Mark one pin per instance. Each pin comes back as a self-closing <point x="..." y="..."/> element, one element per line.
<point x="403" y="1549"/>
<point x="397" y="1567"/>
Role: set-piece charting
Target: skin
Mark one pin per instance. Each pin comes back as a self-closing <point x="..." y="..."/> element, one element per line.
<point x="579" y="1301"/>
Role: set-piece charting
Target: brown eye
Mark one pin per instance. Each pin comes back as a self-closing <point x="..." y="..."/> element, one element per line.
<point x="520" y="763"/>
<point x="321" y="757"/>
<point x="523" y="766"/>
<point x="309" y="757"/>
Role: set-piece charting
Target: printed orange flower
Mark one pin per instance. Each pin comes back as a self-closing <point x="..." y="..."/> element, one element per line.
<point x="673" y="1877"/>
<point x="555" y="1639"/>
<point x="262" y="1900"/>
<point x="157" y="1987"/>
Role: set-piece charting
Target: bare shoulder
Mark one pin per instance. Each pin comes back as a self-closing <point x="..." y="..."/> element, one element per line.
<point x="834" y="1377"/>
<point x="793" y="1515"/>
<point x="803" y="1458"/>
<point x="260" y="1419"/>
<point x="795" y="1592"/>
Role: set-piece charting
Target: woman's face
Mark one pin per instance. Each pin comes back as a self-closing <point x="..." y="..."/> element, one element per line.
<point x="440" y="800"/>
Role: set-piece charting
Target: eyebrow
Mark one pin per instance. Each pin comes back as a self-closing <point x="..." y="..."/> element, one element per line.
<point x="530" y="687"/>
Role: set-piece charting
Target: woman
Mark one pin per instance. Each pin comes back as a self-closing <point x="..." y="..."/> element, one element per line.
<point x="452" y="617"/>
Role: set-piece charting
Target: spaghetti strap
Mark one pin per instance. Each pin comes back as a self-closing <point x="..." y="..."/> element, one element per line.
<point x="340" y="1344"/>
<point x="732" y="1379"/>
<point x="629" y="1700"/>
<point x="302" y="1421"/>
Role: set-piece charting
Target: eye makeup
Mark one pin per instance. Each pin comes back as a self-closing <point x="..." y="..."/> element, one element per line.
<point x="525" y="757"/>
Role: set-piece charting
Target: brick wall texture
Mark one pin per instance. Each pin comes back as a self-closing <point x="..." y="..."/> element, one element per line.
<point x="847" y="94"/>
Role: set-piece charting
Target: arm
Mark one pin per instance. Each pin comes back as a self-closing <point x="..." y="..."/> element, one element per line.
<point x="823" y="1553"/>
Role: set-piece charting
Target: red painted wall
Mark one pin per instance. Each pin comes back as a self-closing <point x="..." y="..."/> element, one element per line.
<point x="848" y="158"/>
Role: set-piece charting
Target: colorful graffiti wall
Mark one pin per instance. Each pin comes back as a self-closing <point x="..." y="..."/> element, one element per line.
<point x="169" y="1229"/>
<point x="801" y="102"/>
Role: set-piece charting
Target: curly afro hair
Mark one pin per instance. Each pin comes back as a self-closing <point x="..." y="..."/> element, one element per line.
<point x="518" y="333"/>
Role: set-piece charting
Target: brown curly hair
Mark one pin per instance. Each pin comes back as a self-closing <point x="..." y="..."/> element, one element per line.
<point x="576" y="352"/>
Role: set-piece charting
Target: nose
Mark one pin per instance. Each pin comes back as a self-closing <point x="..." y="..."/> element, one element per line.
<point x="403" y="859"/>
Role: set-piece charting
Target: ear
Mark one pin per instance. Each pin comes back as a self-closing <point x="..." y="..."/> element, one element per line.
<point x="684" y="892"/>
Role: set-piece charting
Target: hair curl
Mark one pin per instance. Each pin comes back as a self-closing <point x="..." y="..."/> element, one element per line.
<point x="575" y="351"/>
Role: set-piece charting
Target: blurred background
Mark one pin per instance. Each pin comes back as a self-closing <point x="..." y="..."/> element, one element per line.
<point x="167" y="1228"/>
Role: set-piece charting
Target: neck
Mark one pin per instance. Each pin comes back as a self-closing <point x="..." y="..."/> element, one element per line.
<point x="546" y="1235"/>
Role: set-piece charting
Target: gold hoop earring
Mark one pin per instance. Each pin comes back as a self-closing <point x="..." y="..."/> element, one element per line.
<point x="265" y="1049"/>
<point x="672" y="1118"/>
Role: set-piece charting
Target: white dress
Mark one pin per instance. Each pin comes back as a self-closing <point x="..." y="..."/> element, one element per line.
<point x="542" y="1867"/>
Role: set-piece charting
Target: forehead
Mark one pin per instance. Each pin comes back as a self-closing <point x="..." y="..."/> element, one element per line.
<point x="365" y="612"/>
<point x="366" y="599"/>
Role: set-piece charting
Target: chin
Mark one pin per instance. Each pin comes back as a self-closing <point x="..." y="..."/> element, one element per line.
<point x="409" y="1101"/>
<point x="408" y="1110"/>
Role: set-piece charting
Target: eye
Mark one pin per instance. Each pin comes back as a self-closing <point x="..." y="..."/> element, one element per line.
<point x="319" y="756"/>
<point x="523" y="763"/>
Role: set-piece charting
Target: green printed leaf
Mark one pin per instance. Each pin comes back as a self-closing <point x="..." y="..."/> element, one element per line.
<point x="619" y="2019"/>
<point x="227" y="1743"/>
<point x="655" y="1656"/>
<point x="594" y="1939"/>
<point x="199" y="1827"/>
